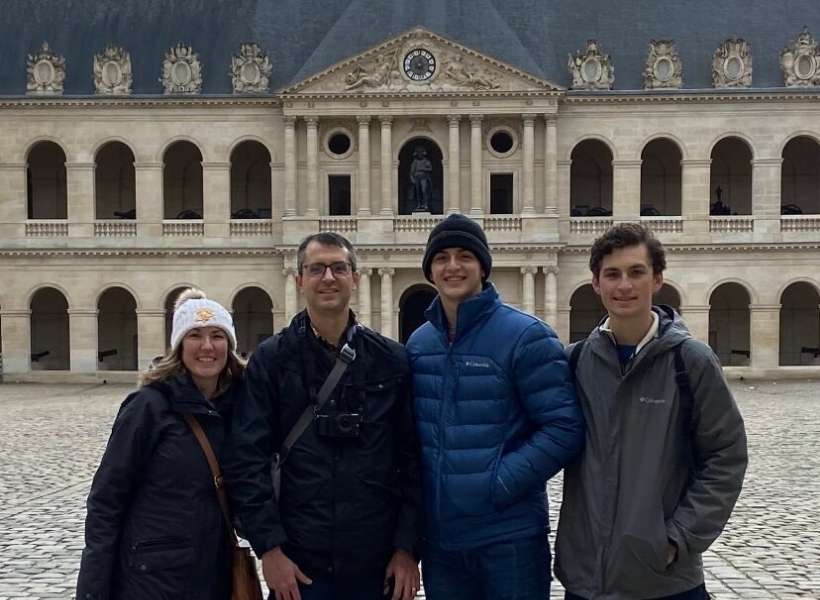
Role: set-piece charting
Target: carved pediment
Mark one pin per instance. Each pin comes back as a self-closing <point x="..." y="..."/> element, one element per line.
<point x="592" y="69"/>
<point x="664" y="68"/>
<point x="420" y="61"/>
<point x="800" y="62"/>
<point x="45" y="72"/>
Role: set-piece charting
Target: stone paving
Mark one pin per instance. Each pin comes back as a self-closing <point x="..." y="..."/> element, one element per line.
<point x="51" y="438"/>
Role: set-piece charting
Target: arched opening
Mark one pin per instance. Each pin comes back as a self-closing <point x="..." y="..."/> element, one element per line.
<point x="730" y="178"/>
<point x="412" y="305"/>
<point x="800" y="179"/>
<point x="661" y="179"/>
<point x="586" y="310"/>
<point x="182" y="181"/>
<point x="590" y="187"/>
<point x="800" y="325"/>
<point x="250" y="181"/>
<point x="117" y="331"/>
<point x="422" y="157"/>
<point x="729" y="324"/>
<point x="50" y="348"/>
<point x="46" y="182"/>
<point x="114" y="182"/>
<point x="170" y="300"/>
<point x="253" y="318"/>
<point x="669" y="296"/>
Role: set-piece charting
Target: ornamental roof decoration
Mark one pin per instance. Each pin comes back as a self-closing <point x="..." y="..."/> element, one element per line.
<point x="732" y="64"/>
<point x="112" y="72"/>
<point x="45" y="72"/>
<point x="800" y="61"/>
<point x="250" y="70"/>
<point x="591" y="69"/>
<point x="181" y="71"/>
<point x="664" y="69"/>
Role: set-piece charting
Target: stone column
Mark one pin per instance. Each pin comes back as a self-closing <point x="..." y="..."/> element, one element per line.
<point x="476" y="171"/>
<point x="16" y="350"/>
<point x="528" y="169"/>
<point x="551" y="296"/>
<point x="291" y="293"/>
<point x="454" y="164"/>
<point x="13" y="199"/>
<point x="696" y="318"/>
<point x="82" y="327"/>
<point x="150" y="335"/>
<point x="80" y="192"/>
<point x="764" y="335"/>
<point x="528" y="289"/>
<point x="695" y="196"/>
<point x="387" y="165"/>
<point x="561" y="326"/>
<point x="365" y="309"/>
<point x="551" y="165"/>
<point x="216" y="187"/>
<point x="364" y="165"/>
<point x="387" y="301"/>
<point x="312" y="149"/>
<point x="626" y="192"/>
<point x="290" y="166"/>
<point x="766" y="200"/>
<point x="149" y="195"/>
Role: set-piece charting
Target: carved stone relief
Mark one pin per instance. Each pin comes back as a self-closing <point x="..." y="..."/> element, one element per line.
<point x="591" y="69"/>
<point x="112" y="72"/>
<point x="732" y="64"/>
<point x="181" y="71"/>
<point x="45" y="72"/>
<point x="664" y="68"/>
<point x="800" y="62"/>
<point x="250" y="70"/>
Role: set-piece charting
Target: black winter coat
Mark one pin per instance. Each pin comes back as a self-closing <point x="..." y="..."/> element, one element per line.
<point x="346" y="504"/>
<point x="154" y="529"/>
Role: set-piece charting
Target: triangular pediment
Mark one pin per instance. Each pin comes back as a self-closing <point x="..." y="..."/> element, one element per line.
<point x="420" y="61"/>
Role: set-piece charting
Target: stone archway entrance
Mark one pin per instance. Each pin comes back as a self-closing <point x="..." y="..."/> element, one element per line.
<point x="729" y="324"/>
<point x="117" y="331"/>
<point x="800" y="325"/>
<point x="253" y="319"/>
<point x="50" y="346"/>
<point x="668" y="295"/>
<point x="412" y="305"/>
<point x="408" y="202"/>
<point x="586" y="310"/>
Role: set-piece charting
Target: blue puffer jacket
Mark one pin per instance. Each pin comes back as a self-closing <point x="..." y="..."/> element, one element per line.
<point x="497" y="417"/>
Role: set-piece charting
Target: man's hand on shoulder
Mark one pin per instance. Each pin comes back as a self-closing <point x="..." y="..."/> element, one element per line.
<point x="404" y="571"/>
<point x="283" y="575"/>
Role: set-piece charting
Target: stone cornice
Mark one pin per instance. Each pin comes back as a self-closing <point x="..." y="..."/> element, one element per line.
<point x="716" y="248"/>
<point x="701" y="96"/>
<point x="158" y="101"/>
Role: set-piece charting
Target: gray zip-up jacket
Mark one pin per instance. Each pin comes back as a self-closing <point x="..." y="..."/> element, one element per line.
<point x="636" y="486"/>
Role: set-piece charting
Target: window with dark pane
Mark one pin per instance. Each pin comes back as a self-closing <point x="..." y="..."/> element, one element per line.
<point x="339" y="194"/>
<point x="501" y="193"/>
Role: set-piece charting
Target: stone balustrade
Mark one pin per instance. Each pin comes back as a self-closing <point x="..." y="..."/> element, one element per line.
<point x="183" y="228"/>
<point x="732" y="224"/>
<point x="251" y="227"/>
<point x="46" y="228"/>
<point x="115" y="228"/>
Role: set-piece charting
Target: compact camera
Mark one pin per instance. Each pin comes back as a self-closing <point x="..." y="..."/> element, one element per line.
<point x="343" y="425"/>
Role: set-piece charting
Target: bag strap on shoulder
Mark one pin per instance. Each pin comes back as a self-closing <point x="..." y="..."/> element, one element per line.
<point x="687" y="396"/>
<point x="575" y="354"/>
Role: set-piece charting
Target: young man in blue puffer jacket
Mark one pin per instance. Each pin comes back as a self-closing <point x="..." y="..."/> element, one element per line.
<point x="497" y="417"/>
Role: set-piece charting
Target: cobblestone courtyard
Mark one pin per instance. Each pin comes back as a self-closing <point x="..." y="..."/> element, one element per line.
<point x="51" y="438"/>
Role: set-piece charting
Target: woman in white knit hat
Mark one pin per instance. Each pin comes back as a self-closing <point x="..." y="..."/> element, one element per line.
<point x="154" y="527"/>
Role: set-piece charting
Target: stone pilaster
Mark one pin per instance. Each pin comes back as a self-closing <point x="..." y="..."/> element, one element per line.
<point x="364" y="166"/>
<point x="291" y="293"/>
<point x="626" y="183"/>
<point x="80" y="191"/>
<point x="13" y="197"/>
<point x="150" y="336"/>
<point x="697" y="321"/>
<point x="365" y="309"/>
<point x="528" y="289"/>
<point x="148" y="189"/>
<point x="290" y="166"/>
<point x="551" y="295"/>
<point x="312" y="150"/>
<point x="476" y="170"/>
<point x="528" y="168"/>
<point x="695" y="196"/>
<point x="766" y="200"/>
<point x="387" y="300"/>
<point x="551" y="165"/>
<point x="216" y="187"/>
<point x="16" y="350"/>
<point x="764" y="334"/>
<point x="453" y="200"/>
<point x="387" y="165"/>
<point x="83" y="339"/>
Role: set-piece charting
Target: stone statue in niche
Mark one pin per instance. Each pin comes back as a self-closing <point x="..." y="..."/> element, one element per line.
<point x="251" y="70"/>
<point x="800" y="62"/>
<point x="732" y="64"/>
<point x="421" y="180"/>
<point x="112" y="72"/>
<point x="181" y="71"/>
<point x="45" y="72"/>
<point x="664" y="68"/>
<point x="592" y="69"/>
<point x="383" y="71"/>
<point x="468" y="75"/>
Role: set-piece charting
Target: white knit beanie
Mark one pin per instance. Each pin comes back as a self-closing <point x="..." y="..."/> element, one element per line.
<point x="194" y="310"/>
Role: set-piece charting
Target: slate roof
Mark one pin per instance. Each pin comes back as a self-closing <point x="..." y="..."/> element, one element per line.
<point x="303" y="37"/>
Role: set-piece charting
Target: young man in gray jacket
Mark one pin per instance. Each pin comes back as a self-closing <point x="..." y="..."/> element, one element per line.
<point x="665" y="451"/>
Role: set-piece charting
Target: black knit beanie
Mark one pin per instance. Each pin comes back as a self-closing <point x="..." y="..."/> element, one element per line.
<point x="457" y="231"/>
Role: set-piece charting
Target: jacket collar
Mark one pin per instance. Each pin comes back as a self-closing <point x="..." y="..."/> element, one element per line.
<point x="184" y="397"/>
<point x="470" y="312"/>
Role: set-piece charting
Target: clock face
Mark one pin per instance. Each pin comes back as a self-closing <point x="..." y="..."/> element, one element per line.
<point x="419" y="64"/>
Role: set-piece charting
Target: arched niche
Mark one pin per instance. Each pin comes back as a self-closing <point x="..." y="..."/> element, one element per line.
<point x="252" y="318"/>
<point x="117" y="331"/>
<point x="50" y="341"/>
<point x="591" y="180"/>
<point x="250" y="181"/>
<point x="407" y="191"/>
<point x="729" y="324"/>
<point x="412" y="305"/>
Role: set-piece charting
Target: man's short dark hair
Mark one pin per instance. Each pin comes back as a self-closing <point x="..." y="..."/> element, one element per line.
<point x="626" y="235"/>
<point x="325" y="238"/>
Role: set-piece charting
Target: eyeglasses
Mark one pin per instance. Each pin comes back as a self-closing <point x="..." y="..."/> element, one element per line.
<point x="337" y="269"/>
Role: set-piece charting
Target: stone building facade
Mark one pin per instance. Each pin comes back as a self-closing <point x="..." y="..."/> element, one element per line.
<point x="111" y="202"/>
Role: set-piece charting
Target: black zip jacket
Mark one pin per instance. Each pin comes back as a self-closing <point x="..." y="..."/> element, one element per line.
<point x="154" y="529"/>
<point x="346" y="504"/>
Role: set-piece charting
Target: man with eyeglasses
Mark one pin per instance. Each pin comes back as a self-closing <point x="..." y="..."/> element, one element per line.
<point x="333" y="398"/>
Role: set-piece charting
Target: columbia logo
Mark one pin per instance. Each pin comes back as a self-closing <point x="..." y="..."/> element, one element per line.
<point x="645" y="400"/>
<point x="481" y="365"/>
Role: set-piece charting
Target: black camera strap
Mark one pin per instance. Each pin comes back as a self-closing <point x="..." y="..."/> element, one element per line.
<point x="344" y="358"/>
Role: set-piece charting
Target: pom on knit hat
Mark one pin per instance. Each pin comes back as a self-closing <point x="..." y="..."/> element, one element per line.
<point x="457" y="231"/>
<point x="193" y="309"/>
